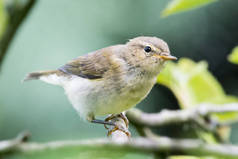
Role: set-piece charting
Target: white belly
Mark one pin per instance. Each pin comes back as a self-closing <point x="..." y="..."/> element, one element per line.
<point x="92" y="98"/>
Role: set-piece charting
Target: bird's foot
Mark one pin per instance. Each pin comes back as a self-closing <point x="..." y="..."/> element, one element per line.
<point x="116" y="128"/>
<point x="121" y="115"/>
<point x="116" y="118"/>
<point x="112" y="116"/>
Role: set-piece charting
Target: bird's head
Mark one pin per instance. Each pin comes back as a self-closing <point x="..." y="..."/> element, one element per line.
<point x="150" y="53"/>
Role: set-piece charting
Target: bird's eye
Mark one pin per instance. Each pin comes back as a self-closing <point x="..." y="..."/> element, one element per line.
<point x="147" y="49"/>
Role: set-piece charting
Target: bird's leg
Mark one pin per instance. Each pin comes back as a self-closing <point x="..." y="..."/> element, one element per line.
<point x="96" y="121"/>
<point x="91" y="118"/>
<point x="112" y="116"/>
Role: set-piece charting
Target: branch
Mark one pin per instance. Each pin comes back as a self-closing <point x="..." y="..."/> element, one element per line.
<point x="166" y="117"/>
<point x="151" y="144"/>
<point x="17" y="15"/>
<point x="158" y="145"/>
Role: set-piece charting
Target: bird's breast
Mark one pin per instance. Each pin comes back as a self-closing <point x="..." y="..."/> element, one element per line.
<point x="139" y="90"/>
<point x="124" y="96"/>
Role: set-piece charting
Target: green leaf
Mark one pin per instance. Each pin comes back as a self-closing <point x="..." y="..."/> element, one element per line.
<point x="79" y="152"/>
<point x="233" y="57"/>
<point x="193" y="84"/>
<point x="176" y="6"/>
<point x="3" y="18"/>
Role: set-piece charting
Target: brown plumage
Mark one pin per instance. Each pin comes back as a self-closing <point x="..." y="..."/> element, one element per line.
<point x="110" y="80"/>
<point x="91" y="66"/>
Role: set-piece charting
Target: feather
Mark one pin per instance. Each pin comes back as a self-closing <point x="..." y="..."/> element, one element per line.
<point x="91" y="66"/>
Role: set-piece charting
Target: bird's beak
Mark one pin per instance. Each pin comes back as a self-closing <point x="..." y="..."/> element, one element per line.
<point x="166" y="57"/>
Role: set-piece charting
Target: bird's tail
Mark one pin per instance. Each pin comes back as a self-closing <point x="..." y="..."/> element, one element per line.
<point x="52" y="76"/>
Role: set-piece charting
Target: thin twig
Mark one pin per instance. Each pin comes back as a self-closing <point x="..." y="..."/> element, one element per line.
<point x="167" y="117"/>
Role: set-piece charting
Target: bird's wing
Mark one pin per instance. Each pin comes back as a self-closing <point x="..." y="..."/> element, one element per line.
<point x="91" y="66"/>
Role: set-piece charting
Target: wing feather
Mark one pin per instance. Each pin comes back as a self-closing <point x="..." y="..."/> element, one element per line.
<point x="91" y="66"/>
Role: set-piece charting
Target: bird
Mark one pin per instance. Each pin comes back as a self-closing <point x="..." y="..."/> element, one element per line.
<point x="110" y="80"/>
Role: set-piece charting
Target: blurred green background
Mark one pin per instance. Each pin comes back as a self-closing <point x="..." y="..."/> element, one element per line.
<point x="59" y="30"/>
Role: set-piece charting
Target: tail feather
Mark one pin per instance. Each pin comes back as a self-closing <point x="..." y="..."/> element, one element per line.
<point x="32" y="76"/>
<point x="37" y="75"/>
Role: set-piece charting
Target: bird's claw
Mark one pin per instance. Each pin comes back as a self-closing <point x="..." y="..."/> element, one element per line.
<point x="116" y="128"/>
<point x="121" y="115"/>
<point x="125" y="119"/>
<point x="108" y="119"/>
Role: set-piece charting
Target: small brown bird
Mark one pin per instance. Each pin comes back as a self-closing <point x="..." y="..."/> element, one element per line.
<point x="110" y="80"/>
